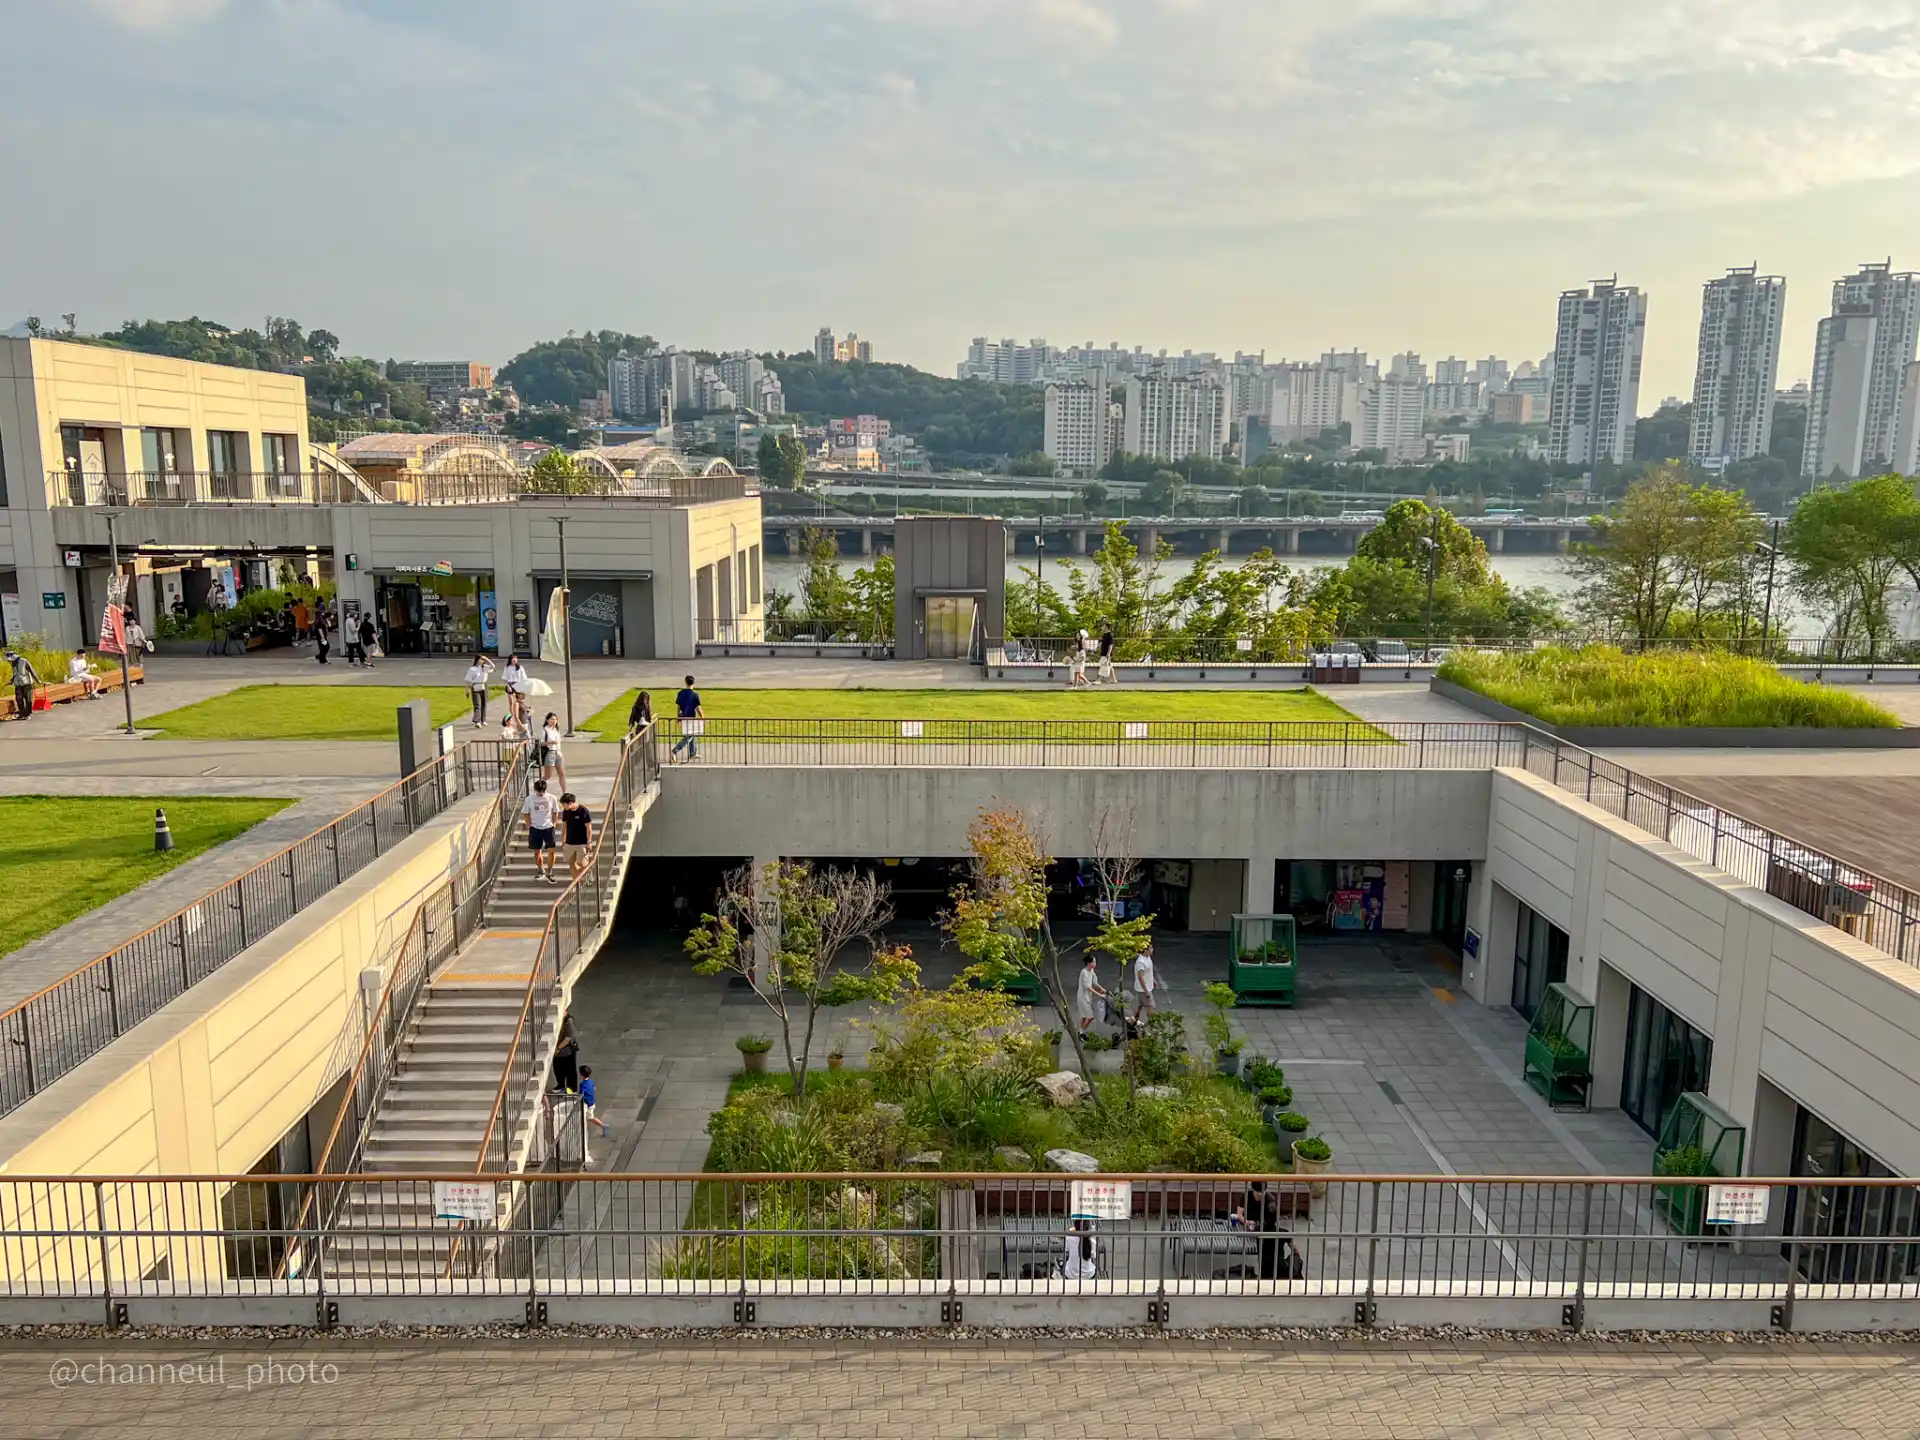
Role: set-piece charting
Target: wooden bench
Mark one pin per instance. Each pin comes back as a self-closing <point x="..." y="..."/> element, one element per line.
<point x="68" y="690"/>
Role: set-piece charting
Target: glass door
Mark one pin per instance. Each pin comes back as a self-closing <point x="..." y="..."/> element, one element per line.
<point x="1539" y="959"/>
<point x="1665" y="1056"/>
<point x="949" y="626"/>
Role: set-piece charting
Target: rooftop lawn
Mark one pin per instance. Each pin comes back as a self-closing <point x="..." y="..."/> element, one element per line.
<point x="305" y="712"/>
<point x="981" y="702"/>
<point x="1599" y="685"/>
<point x="63" y="855"/>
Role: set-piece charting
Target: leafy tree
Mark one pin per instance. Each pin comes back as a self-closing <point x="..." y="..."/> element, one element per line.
<point x="960" y="422"/>
<point x="1850" y="546"/>
<point x="558" y="473"/>
<point x="824" y="591"/>
<point x="555" y="427"/>
<point x="1663" y="435"/>
<point x="782" y="460"/>
<point x="568" y="370"/>
<point x="1164" y="492"/>
<point x="824" y="948"/>
<point x="1403" y="536"/>
<point x="1670" y="559"/>
<point x="1093" y="495"/>
<point x="872" y="587"/>
<point x="1036" y="462"/>
<point x="1254" y="499"/>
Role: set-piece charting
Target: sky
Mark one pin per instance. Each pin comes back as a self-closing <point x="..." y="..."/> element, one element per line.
<point x="461" y="178"/>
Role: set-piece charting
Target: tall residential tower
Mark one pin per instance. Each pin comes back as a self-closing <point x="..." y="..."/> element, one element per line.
<point x="1596" y="374"/>
<point x="1860" y="357"/>
<point x="1733" y="380"/>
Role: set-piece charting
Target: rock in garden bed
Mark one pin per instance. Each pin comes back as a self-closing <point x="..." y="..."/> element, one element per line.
<point x="1064" y="1088"/>
<point x="1073" y="1162"/>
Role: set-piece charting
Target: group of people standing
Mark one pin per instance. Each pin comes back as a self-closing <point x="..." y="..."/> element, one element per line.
<point x="1146" y="991"/>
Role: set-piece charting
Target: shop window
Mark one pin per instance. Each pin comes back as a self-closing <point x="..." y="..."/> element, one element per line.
<point x="1841" y="1232"/>
<point x="1539" y="959"/>
<point x="1665" y="1056"/>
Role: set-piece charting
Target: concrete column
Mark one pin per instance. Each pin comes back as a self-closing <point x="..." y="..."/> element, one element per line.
<point x="1612" y="995"/>
<point x="1257" y="896"/>
<point x="1499" y="546"/>
<point x="1009" y="533"/>
<point x="766" y="917"/>
<point x="794" y="542"/>
<point x="1226" y="540"/>
<point x="1739" y="1012"/>
<point x="1149" y="539"/>
<point x="1079" y="541"/>
<point x="866" y="541"/>
<point x="1493" y="915"/>
<point x="1563" y="540"/>
<point x="1770" y="1145"/>
<point x="1293" y="540"/>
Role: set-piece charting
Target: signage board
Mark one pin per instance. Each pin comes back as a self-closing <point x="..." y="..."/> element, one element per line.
<point x="463" y="1200"/>
<point x="1738" y="1204"/>
<point x="73" y="559"/>
<point x="1102" y="1199"/>
<point x="523" y="626"/>
<point x="912" y="729"/>
<point x="1245" y="647"/>
<point x="1134" y="729"/>
<point x="1471" y="944"/>
<point x="53" y="600"/>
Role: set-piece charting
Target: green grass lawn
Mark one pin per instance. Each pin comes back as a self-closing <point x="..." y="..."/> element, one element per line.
<point x="62" y="855"/>
<point x="306" y="712"/>
<point x="1599" y="685"/>
<point x="984" y="703"/>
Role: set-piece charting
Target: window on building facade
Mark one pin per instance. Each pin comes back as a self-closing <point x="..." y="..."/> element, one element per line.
<point x="1854" y="1217"/>
<point x="227" y="464"/>
<point x="1665" y="1056"/>
<point x="1539" y="959"/>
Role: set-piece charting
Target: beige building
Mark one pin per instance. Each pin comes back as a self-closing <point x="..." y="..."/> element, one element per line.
<point x="218" y="490"/>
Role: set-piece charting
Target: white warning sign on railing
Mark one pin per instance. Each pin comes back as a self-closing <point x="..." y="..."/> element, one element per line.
<point x="1102" y="1199"/>
<point x="463" y="1200"/>
<point x="1738" y="1204"/>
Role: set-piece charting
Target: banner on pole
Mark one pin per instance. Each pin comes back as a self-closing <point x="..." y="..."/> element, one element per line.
<point x="113" y="631"/>
<point x="552" y="641"/>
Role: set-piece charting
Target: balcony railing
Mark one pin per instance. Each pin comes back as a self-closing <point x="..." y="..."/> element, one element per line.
<point x="69" y="488"/>
<point x="1419" y="652"/>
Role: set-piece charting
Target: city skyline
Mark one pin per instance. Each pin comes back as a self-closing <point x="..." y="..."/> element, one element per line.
<point x="1141" y="129"/>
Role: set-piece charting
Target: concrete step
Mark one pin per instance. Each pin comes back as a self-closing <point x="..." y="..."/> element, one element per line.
<point x="449" y="1099"/>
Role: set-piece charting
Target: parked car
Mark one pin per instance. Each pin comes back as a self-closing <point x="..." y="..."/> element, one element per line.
<point x="1345" y="647"/>
<point x="1392" y="652"/>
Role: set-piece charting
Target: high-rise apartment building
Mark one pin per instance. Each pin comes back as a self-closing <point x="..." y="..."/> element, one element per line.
<point x="1906" y="435"/>
<point x="1492" y="375"/>
<point x="1861" y="355"/>
<point x="824" y="346"/>
<point x="1739" y="363"/>
<point x="1170" y="417"/>
<point x="1077" y="435"/>
<point x="1408" y="367"/>
<point x="1450" y="371"/>
<point x="1388" y="416"/>
<point x="1455" y="397"/>
<point x="441" y="378"/>
<point x="1595" y="392"/>
<point x="1310" y="400"/>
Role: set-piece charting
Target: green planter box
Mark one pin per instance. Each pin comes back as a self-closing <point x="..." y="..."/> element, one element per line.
<point x="1696" y="1138"/>
<point x="1024" y="987"/>
<point x="1263" y="959"/>
<point x="1560" y="1077"/>
<point x="1559" y="1060"/>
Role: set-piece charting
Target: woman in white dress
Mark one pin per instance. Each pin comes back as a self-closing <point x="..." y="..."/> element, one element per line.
<point x="552" y="763"/>
<point x="1083" y="1253"/>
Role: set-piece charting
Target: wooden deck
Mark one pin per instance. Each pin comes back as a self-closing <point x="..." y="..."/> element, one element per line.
<point x="1872" y="823"/>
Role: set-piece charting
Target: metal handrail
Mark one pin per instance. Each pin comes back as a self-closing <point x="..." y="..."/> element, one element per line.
<point x="64" y="1023"/>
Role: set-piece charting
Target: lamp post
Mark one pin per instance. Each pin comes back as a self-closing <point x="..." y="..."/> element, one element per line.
<point x="1433" y="564"/>
<point x="113" y="560"/>
<point x="1772" y="549"/>
<point x="566" y="619"/>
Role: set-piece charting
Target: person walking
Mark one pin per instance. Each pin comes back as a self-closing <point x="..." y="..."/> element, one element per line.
<point x="540" y="810"/>
<point x="369" y="640"/>
<point x="477" y="674"/>
<point x="1144" y="985"/>
<point x="553" y="765"/>
<point x="137" y="643"/>
<point x="1106" y="656"/>
<point x="577" y="833"/>
<point x="322" y="634"/>
<point x="1077" y="663"/>
<point x="25" y="677"/>
<point x="566" y="1058"/>
<point x="513" y="677"/>
<point x="1088" y="990"/>
<point x="641" y="715"/>
<point x="1082" y="1260"/>
<point x="590" y="1098"/>
<point x="692" y="721"/>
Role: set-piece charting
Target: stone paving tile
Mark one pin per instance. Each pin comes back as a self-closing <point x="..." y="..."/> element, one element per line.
<point x="1355" y="1389"/>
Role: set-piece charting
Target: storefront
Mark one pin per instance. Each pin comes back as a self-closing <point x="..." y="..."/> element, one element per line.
<point x="432" y="610"/>
<point x="1539" y="959"/>
<point x="1821" y="1152"/>
<point x="1665" y="1056"/>
<point x="1343" y="896"/>
<point x="596" y="612"/>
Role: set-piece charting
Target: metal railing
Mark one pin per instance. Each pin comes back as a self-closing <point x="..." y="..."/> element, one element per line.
<point x="319" y="486"/>
<point x="585" y="905"/>
<point x="1123" y="744"/>
<point x="50" y="1032"/>
<point x="484" y="488"/>
<point x="1869" y="907"/>
<point x="1420" y="650"/>
<point x="875" y="1248"/>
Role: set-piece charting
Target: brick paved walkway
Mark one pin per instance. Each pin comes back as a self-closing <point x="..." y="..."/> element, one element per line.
<point x="388" y="1390"/>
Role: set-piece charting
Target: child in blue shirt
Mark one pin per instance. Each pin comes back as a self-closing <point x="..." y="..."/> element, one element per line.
<point x="588" y="1093"/>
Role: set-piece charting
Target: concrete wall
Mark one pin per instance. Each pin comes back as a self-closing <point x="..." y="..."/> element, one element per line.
<point x="1183" y="814"/>
<point x="946" y="554"/>
<point x="1791" y="1003"/>
<point x="213" y="1081"/>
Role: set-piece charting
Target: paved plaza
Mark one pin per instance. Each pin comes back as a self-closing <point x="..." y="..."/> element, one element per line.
<point x="927" y="1388"/>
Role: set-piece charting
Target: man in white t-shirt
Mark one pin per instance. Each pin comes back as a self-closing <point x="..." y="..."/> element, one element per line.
<point x="541" y="809"/>
<point x="1144" y="985"/>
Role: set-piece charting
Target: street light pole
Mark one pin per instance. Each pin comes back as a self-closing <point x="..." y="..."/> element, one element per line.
<point x="113" y="553"/>
<point x="566" y="618"/>
<point x="1766" y="614"/>
<point x="1433" y="564"/>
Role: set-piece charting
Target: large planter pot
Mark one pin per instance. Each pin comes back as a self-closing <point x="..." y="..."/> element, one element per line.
<point x="754" y="1061"/>
<point x="834" y="1062"/>
<point x="1227" y="1064"/>
<point x="1317" y="1189"/>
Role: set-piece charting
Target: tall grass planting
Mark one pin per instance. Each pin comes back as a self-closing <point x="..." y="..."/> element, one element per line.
<point x="1601" y="685"/>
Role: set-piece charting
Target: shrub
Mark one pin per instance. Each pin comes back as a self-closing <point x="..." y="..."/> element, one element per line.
<point x="955" y="1032"/>
<point x="1202" y="1144"/>
<point x="1159" y="1053"/>
<point x="1292" y="1123"/>
<point x="1220" y="1036"/>
<point x="1313" y="1148"/>
<point x="1277" y="1095"/>
<point x="1600" y="685"/>
<point x="739" y="1128"/>
<point x="754" y="1044"/>
<point x="1262" y="1074"/>
<point x="1684" y="1160"/>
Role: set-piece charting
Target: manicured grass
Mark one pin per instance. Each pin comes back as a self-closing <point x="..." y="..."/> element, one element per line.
<point x="984" y="703"/>
<point x="1599" y="685"/>
<point x="305" y="712"/>
<point x="63" y="855"/>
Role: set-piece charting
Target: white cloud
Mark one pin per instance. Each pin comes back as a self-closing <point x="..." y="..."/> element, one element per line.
<point x="158" y="14"/>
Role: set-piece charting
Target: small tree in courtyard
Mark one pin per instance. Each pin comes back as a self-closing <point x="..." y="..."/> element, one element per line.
<point x="999" y="918"/>
<point x="824" y="947"/>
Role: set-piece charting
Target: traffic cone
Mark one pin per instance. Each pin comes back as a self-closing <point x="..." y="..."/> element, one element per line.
<point x="162" y="836"/>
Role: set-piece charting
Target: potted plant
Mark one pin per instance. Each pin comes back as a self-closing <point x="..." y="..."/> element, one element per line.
<point x="753" y="1052"/>
<point x="1290" y="1123"/>
<point x="1313" y="1156"/>
<point x="1273" y="1100"/>
<point x="836" y="1057"/>
<point x="1226" y="1046"/>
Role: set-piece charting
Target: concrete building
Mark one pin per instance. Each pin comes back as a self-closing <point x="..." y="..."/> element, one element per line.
<point x="1491" y="374"/>
<point x="435" y="538"/>
<point x="1596" y="374"/>
<point x="1170" y="417"/>
<point x="1739" y="364"/>
<point x="1408" y="367"/>
<point x="1450" y="371"/>
<point x="1861" y="353"/>
<point x="1906" y="440"/>
<point x="949" y="585"/>
<point x="1455" y="397"/>
<point x="1513" y="407"/>
<point x="1455" y="448"/>
<point x="853" y="443"/>
<point x="825" y="347"/>
<point x="1077" y="433"/>
<point x="443" y="378"/>
<point x="1388" y="416"/>
<point x="1310" y="400"/>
